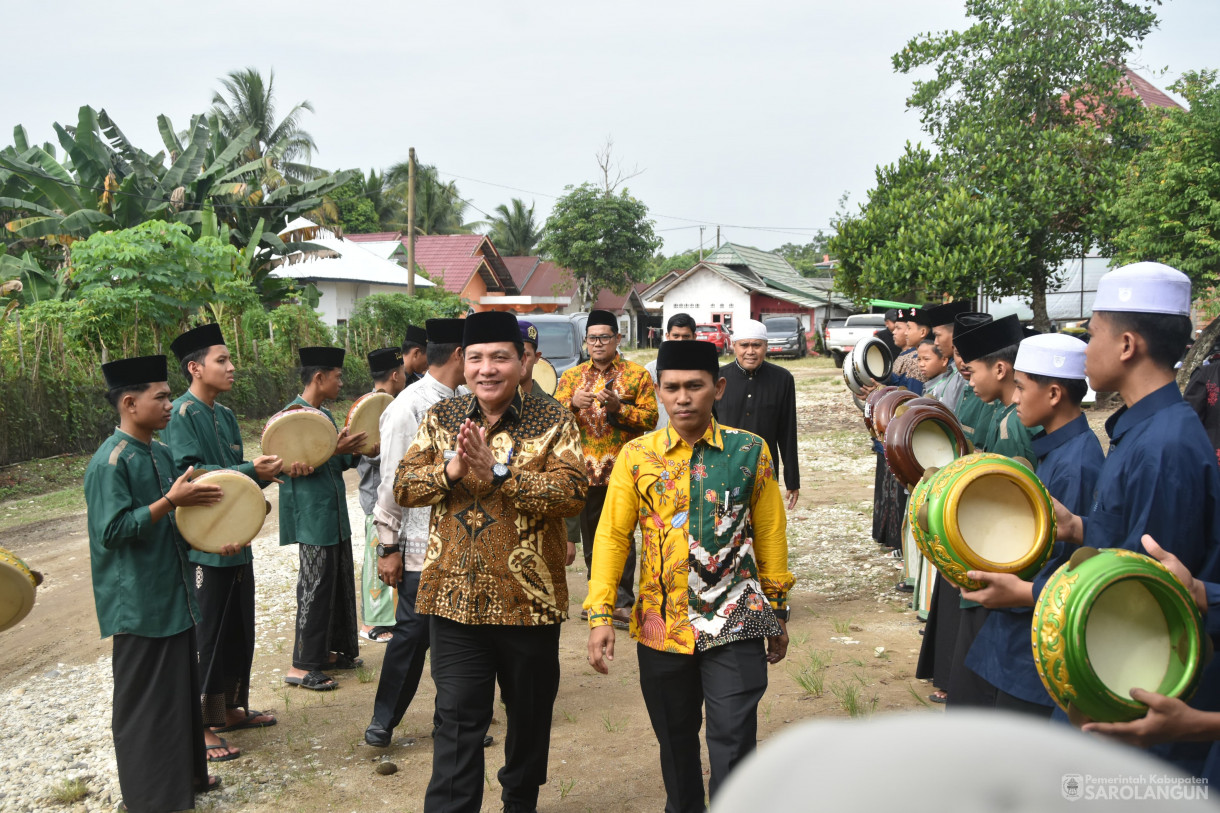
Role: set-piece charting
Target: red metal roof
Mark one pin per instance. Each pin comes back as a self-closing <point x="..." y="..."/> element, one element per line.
<point x="520" y="268"/>
<point x="1146" y="92"/>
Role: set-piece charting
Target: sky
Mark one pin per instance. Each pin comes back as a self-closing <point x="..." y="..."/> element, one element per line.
<point x="754" y="117"/>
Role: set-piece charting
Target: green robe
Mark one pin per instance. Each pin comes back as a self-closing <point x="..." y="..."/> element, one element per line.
<point x="207" y="437"/>
<point x="141" y="576"/>
<point x="975" y="416"/>
<point x="1008" y="436"/>
<point x="313" y="509"/>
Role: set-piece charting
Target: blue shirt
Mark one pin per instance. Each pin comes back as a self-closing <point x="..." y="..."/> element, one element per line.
<point x="1069" y="461"/>
<point x="1161" y="478"/>
<point x="911" y="383"/>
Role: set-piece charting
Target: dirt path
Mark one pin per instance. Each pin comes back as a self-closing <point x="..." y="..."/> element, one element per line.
<point x="854" y="646"/>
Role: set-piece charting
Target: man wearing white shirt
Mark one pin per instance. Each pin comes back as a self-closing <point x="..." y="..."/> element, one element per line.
<point x="403" y="533"/>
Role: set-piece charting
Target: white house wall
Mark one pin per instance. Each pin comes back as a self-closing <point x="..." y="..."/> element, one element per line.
<point x="704" y="293"/>
<point x="339" y="299"/>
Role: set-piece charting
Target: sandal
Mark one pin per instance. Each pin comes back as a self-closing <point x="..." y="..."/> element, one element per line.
<point x="315" y="681"/>
<point x="342" y="661"/>
<point x="938" y="697"/>
<point x="249" y="722"/>
<point x="223" y="746"/>
<point x="213" y="784"/>
<point x="378" y="635"/>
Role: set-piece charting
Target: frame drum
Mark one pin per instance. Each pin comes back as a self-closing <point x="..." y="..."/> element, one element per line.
<point x="885" y="408"/>
<point x="17" y="587"/>
<point x="300" y="434"/>
<point x="1112" y="620"/>
<point x="545" y="377"/>
<point x="849" y="377"/>
<point x="235" y="520"/>
<point x="870" y="404"/>
<point x="921" y="438"/>
<point x="983" y="512"/>
<point x="364" y="416"/>
<point x="871" y="360"/>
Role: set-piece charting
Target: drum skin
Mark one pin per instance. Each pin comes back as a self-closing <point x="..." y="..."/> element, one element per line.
<point x="235" y="520"/>
<point x="300" y="435"/>
<point x="994" y="500"/>
<point x="883" y="412"/>
<point x="1072" y="612"/>
<point x="909" y="434"/>
<point x="545" y="377"/>
<point x="17" y="589"/>
<point x="364" y="416"/>
<point x="870" y="404"/>
<point x="871" y="360"/>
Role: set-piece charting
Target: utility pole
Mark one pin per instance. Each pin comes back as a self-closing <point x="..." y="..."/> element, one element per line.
<point x="411" y="222"/>
<point x="717" y="235"/>
<point x="700" y="244"/>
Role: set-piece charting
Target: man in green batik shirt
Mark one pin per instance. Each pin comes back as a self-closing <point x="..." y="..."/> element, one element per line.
<point x="204" y="434"/>
<point x="313" y="512"/>
<point x="143" y="594"/>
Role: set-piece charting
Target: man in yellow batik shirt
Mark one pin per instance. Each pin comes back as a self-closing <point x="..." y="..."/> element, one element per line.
<point x="614" y="402"/>
<point x="714" y="578"/>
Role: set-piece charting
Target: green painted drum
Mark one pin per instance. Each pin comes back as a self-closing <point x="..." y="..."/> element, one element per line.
<point x="982" y="512"/>
<point x="1112" y="620"/>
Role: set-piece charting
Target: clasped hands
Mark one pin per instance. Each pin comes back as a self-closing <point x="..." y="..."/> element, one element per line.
<point x="473" y="455"/>
<point x="584" y="397"/>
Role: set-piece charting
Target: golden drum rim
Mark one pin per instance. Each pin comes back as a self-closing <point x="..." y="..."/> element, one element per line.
<point x="1031" y="489"/>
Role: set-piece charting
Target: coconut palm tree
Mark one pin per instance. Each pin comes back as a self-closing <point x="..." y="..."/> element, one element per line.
<point x="514" y="232"/>
<point x="439" y="209"/>
<point x="285" y="146"/>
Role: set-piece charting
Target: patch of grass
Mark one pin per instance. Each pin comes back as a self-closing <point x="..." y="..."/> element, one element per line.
<point x="611" y="724"/>
<point x="567" y="715"/>
<point x="849" y="697"/>
<point x="842" y="626"/>
<point x="855" y="662"/>
<point x="365" y="675"/>
<point x="42" y="507"/>
<point x="69" y="791"/>
<point x="919" y="697"/>
<point x="565" y="787"/>
<point x="811" y="675"/>
<point x="30" y="478"/>
<point x="799" y="638"/>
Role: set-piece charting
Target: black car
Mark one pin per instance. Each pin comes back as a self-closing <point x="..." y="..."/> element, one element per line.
<point x="560" y="338"/>
<point x="786" y="337"/>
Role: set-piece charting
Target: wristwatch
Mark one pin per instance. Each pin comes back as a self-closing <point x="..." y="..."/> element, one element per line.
<point x="386" y="550"/>
<point x="499" y="473"/>
<point x="783" y="614"/>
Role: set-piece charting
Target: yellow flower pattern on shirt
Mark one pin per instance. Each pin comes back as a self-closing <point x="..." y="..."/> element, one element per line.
<point x="602" y="435"/>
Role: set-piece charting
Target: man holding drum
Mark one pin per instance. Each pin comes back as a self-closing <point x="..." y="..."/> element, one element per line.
<point x="403" y="534"/>
<point x="1050" y="384"/>
<point x="501" y="471"/>
<point x="143" y="591"/>
<point x="313" y="513"/>
<point x="712" y="611"/>
<point x="204" y="434"/>
<point x="1160" y="477"/>
<point x="376" y="599"/>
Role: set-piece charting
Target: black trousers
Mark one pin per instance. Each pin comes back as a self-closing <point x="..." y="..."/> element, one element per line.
<point x="326" y="605"/>
<point x="589" y="517"/>
<point x="467" y="662"/>
<point x="967" y="689"/>
<point x="729" y="680"/>
<point x="940" y="635"/>
<point x="225" y="634"/>
<point x="157" y="726"/>
<point x="403" y="664"/>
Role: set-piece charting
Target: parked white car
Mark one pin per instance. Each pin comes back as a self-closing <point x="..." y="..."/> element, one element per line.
<point x="841" y="337"/>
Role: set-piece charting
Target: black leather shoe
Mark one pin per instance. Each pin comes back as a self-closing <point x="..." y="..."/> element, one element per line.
<point x="377" y="736"/>
<point x="488" y="740"/>
<point x="903" y="587"/>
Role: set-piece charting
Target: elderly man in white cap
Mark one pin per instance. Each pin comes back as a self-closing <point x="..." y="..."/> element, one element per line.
<point x="760" y="397"/>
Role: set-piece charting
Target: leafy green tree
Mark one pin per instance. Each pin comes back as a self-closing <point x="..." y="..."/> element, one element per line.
<point x="284" y="146"/>
<point x="920" y="235"/>
<point x="662" y="265"/>
<point x="606" y="239"/>
<point x="439" y="208"/>
<point x="355" y="213"/>
<point x="1029" y="106"/>
<point x="1168" y="209"/>
<point x="514" y="232"/>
